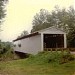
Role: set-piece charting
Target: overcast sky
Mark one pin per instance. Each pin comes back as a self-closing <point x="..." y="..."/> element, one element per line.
<point x="20" y="14"/>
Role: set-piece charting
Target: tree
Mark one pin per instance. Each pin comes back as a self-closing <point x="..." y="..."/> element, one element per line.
<point x="39" y="20"/>
<point x="61" y="18"/>
<point x="6" y="51"/>
<point x="2" y="11"/>
<point x="71" y="38"/>
<point x="23" y="33"/>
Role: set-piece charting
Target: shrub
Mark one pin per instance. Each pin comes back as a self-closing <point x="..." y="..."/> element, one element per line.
<point x="66" y="56"/>
<point x="51" y="56"/>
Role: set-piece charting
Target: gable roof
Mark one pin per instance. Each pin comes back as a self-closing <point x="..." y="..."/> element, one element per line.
<point x="51" y="28"/>
<point x="37" y="33"/>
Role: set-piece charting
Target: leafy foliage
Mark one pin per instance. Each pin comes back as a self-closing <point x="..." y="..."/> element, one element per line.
<point x="38" y="65"/>
<point x="24" y="33"/>
<point x="39" y="20"/>
<point x="61" y="18"/>
<point x="71" y="38"/>
<point x="6" y="51"/>
<point x="2" y="11"/>
<point x="22" y="67"/>
<point x="51" y="57"/>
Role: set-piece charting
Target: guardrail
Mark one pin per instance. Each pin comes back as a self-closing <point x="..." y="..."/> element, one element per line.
<point x="59" y="49"/>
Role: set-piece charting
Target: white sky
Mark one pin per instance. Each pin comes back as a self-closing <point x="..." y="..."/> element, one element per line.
<point x="20" y="14"/>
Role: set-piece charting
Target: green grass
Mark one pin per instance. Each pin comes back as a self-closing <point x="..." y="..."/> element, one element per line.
<point x="40" y="64"/>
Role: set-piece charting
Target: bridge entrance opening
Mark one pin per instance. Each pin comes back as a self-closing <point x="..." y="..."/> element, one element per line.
<point x="53" y="41"/>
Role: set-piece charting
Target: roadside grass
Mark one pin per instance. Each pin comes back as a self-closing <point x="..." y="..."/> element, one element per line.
<point x="41" y="64"/>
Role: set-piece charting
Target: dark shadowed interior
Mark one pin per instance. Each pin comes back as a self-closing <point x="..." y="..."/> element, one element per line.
<point x="53" y="40"/>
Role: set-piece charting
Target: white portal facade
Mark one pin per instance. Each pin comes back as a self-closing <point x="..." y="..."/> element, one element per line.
<point x="34" y="43"/>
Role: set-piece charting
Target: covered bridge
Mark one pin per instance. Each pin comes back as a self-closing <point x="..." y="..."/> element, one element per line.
<point x="33" y="43"/>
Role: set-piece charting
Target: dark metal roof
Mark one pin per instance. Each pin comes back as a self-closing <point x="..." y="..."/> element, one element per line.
<point x="26" y="36"/>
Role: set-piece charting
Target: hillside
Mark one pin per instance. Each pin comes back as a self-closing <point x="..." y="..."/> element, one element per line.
<point x="44" y="63"/>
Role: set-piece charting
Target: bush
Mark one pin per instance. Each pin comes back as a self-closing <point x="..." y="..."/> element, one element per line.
<point x="48" y="57"/>
<point x="66" y="56"/>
